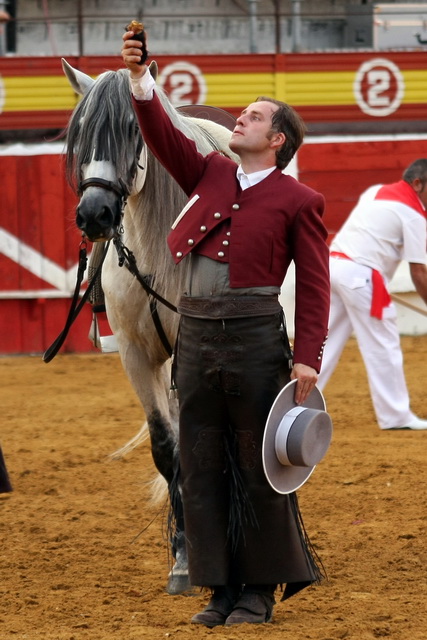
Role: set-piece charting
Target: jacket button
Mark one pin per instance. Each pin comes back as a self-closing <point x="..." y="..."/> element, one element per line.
<point x="235" y="207"/>
<point x="217" y="215"/>
<point x="228" y="233"/>
<point x="225" y="243"/>
<point x="179" y="254"/>
<point x="190" y="241"/>
<point x="221" y="254"/>
<point x="203" y="228"/>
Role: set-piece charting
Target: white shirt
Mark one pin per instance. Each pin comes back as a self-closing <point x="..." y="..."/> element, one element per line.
<point x="382" y="233"/>
<point x="250" y="179"/>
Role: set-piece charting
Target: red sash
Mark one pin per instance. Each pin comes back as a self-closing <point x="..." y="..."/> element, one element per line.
<point x="401" y="192"/>
<point x="380" y="296"/>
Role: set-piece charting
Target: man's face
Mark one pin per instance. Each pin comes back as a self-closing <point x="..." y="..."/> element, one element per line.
<point x="252" y="128"/>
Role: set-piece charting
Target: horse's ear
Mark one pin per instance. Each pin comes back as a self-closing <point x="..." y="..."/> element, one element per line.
<point x="80" y="81"/>
<point x="153" y="69"/>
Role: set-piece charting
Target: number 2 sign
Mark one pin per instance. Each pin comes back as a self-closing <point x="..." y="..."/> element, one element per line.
<point x="378" y="87"/>
<point x="184" y="83"/>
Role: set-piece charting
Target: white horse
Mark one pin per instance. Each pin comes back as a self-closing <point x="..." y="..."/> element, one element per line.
<point x="125" y="192"/>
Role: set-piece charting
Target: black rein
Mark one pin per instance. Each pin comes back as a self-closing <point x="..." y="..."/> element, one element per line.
<point x="127" y="258"/>
<point x="75" y="306"/>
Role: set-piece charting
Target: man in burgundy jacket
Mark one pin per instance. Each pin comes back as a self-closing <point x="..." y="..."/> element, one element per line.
<point x="241" y="228"/>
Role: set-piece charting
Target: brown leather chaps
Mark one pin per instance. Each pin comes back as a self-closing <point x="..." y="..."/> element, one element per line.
<point x="238" y="529"/>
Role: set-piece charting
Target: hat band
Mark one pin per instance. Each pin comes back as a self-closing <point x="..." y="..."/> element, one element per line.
<point x="282" y="433"/>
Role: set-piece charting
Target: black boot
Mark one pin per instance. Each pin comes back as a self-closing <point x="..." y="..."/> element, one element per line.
<point x="219" y="607"/>
<point x="255" y="605"/>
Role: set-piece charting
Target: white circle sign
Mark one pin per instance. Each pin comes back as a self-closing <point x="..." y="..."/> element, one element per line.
<point x="184" y="83"/>
<point x="379" y="87"/>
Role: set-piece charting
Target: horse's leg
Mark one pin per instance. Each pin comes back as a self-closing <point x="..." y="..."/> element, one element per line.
<point x="178" y="581"/>
<point x="151" y="384"/>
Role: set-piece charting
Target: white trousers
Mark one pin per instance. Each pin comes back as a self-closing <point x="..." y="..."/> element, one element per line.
<point x="378" y="341"/>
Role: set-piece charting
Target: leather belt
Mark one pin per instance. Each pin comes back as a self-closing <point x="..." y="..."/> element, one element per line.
<point x="213" y="307"/>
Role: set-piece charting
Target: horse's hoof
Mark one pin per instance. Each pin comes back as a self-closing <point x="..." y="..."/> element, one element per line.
<point x="178" y="584"/>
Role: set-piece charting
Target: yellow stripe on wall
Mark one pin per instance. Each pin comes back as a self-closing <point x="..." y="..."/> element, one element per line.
<point x="301" y="88"/>
<point x="415" y="86"/>
<point x="238" y="89"/>
<point x="38" y="93"/>
<point x="320" y="88"/>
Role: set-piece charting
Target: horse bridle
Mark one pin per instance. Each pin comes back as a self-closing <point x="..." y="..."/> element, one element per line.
<point x="127" y="258"/>
<point x="118" y="188"/>
<point x="109" y="185"/>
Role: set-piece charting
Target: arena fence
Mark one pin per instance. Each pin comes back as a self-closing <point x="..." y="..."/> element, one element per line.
<point x="39" y="242"/>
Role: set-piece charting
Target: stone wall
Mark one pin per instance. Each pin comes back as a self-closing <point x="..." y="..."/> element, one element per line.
<point x="179" y="26"/>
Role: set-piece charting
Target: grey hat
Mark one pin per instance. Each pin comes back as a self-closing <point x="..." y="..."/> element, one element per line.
<point x="296" y="438"/>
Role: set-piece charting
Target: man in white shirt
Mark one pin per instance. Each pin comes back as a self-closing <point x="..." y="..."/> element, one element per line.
<point x="387" y="225"/>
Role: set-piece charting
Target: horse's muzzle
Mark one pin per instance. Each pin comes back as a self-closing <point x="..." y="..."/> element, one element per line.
<point x="98" y="214"/>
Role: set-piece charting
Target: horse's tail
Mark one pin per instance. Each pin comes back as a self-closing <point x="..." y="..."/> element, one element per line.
<point x="134" y="442"/>
<point x="159" y="490"/>
<point x="159" y="487"/>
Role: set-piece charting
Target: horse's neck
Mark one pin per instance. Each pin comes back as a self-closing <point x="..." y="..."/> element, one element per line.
<point x="132" y="230"/>
<point x="145" y="235"/>
<point x="150" y="214"/>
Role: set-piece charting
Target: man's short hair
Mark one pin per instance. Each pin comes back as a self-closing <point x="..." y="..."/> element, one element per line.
<point x="286" y="120"/>
<point x="417" y="169"/>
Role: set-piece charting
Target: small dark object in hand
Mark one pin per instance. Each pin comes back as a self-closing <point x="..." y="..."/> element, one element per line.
<point x="139" y="34"/>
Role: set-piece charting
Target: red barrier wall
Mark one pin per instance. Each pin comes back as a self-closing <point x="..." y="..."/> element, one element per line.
<point x="39" y="242"/>
<point x="39" y="246"/>
<point x="342" y="168"/>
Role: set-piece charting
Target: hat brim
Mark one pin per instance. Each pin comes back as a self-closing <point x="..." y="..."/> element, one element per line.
<point x="283" y="478"/>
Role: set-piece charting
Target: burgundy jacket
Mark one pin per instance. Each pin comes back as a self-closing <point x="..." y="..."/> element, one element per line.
<point x="259" y="231"/>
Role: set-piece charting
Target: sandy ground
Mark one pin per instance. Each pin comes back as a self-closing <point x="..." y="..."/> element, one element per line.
<point x="83" y="552"/>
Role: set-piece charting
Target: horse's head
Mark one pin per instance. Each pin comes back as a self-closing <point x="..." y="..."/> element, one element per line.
<point x="105" y="152"/>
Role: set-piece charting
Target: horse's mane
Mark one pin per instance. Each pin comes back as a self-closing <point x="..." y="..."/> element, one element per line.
<point x="104" y="116"/>
<point x="105" y="120"/>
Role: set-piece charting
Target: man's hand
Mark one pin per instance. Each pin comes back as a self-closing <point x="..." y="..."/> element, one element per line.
<point x="131" y="54"/>
<point x="306" y="379"/>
